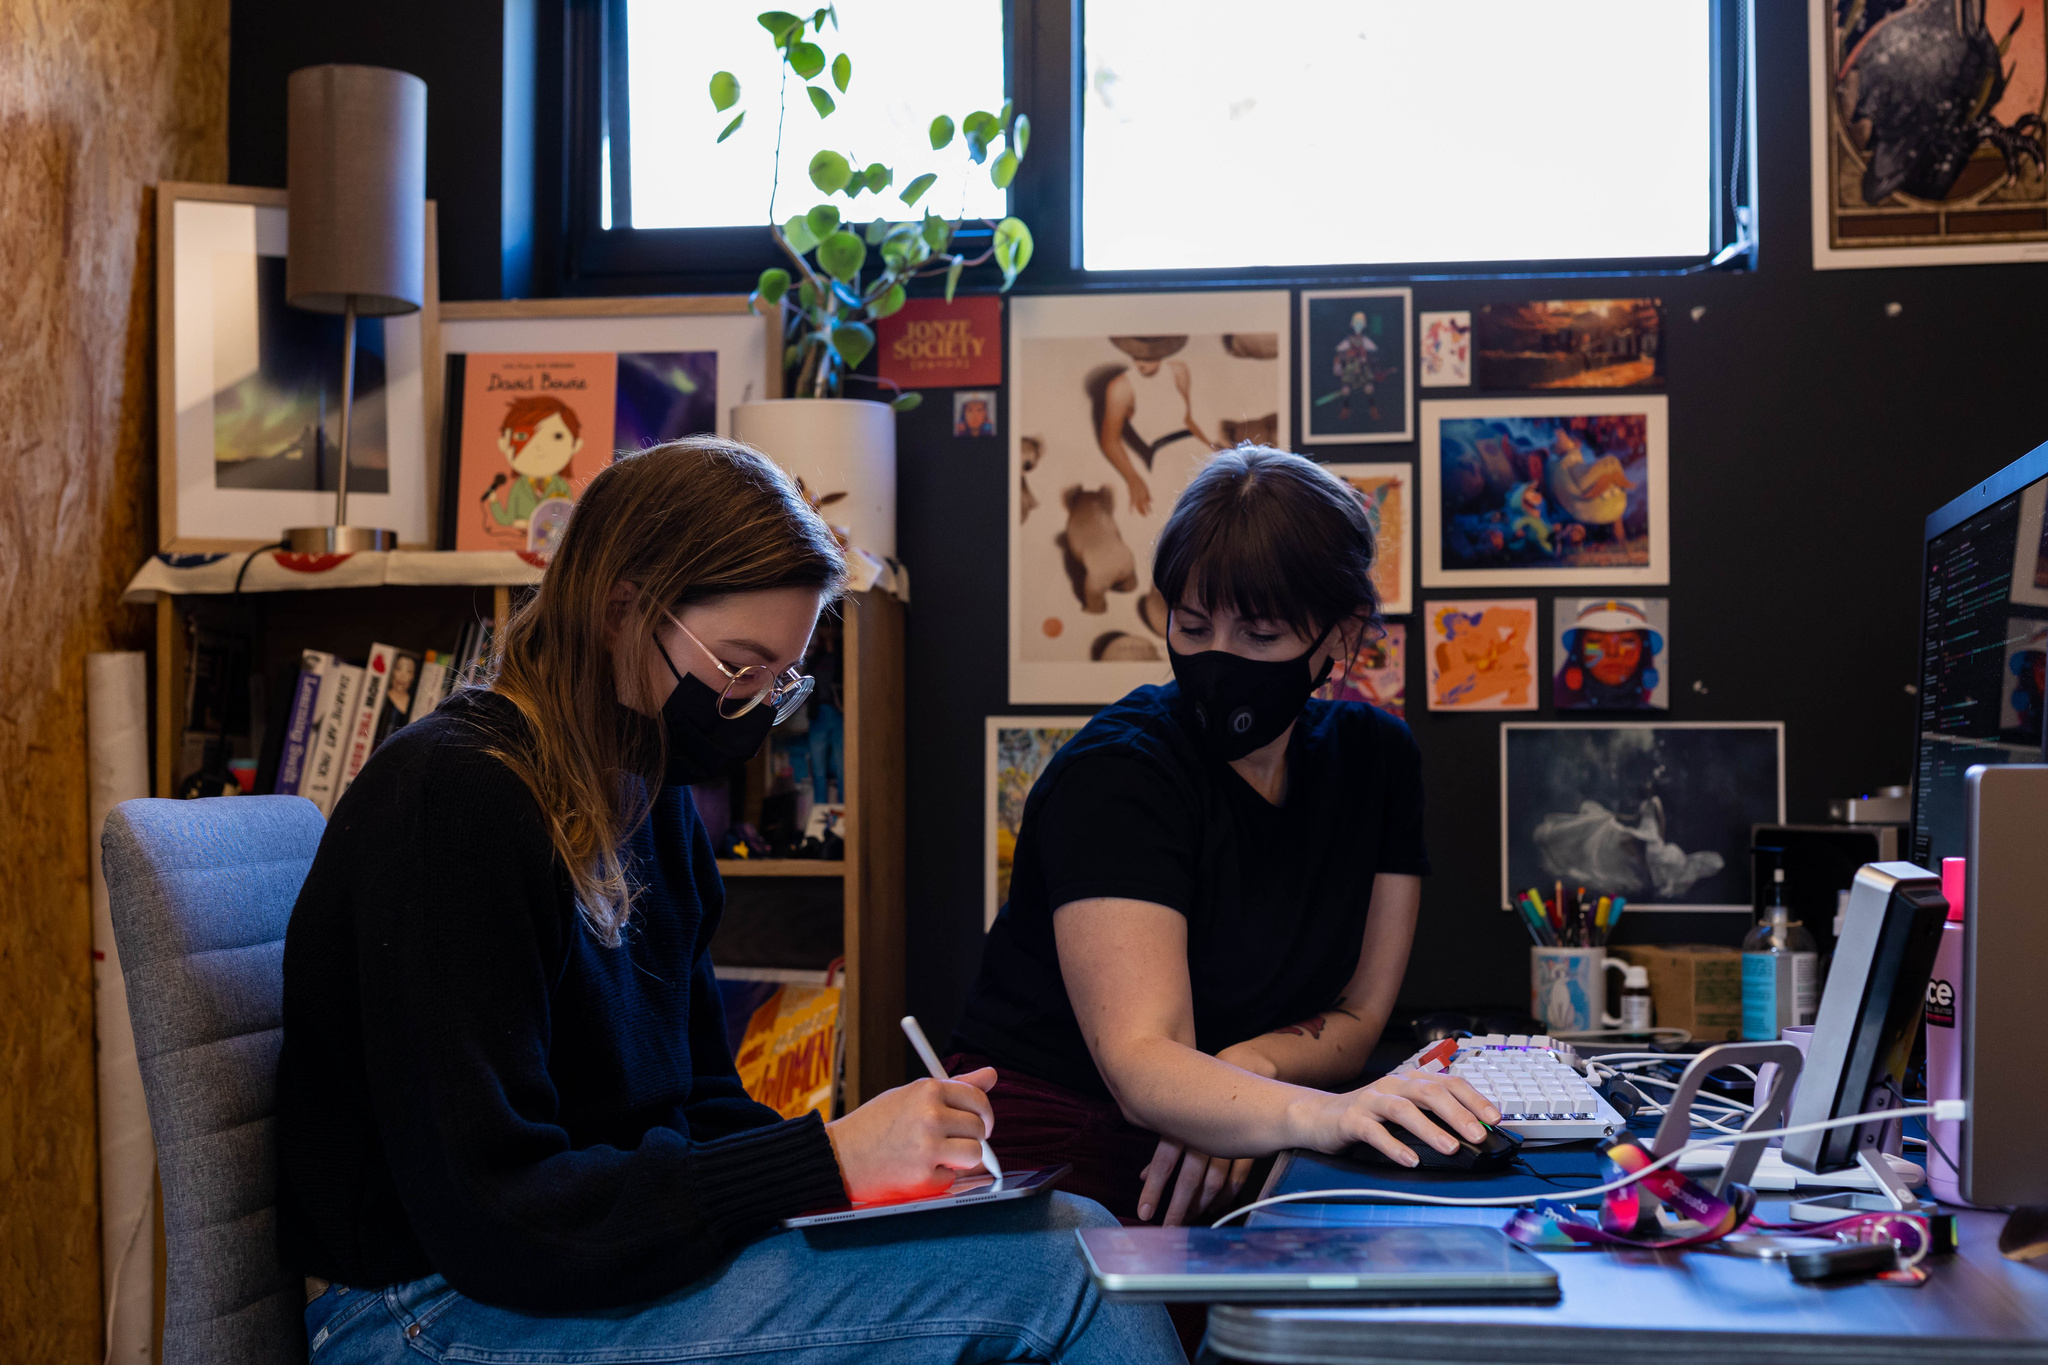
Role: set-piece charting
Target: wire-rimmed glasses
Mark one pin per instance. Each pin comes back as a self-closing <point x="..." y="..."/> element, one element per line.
<point x="746" y="688"/>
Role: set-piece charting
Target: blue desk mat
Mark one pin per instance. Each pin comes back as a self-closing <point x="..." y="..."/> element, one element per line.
<point x="1569" y="1167"/>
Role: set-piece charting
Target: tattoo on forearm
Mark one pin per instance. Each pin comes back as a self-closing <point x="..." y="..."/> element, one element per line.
<point x="1313" y="1026"/>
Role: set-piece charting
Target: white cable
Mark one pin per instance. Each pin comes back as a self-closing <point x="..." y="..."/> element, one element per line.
<point x="1682" y="1035"/>
<point x="1504" y="1201"/>
<point x="114" y="1291"/>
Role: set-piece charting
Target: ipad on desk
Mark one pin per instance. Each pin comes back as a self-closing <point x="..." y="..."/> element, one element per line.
<point x="1430" y="1263"/>
<point x="978" y="1188"/>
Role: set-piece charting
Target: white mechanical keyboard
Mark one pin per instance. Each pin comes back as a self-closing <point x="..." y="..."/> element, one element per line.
<point x="1534" y="1081"/>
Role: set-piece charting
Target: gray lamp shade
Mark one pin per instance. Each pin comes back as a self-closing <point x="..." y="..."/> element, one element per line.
<point x="358" y="180"/>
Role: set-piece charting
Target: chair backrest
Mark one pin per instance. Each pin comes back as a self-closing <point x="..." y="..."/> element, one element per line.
<point x="200" y="893"/>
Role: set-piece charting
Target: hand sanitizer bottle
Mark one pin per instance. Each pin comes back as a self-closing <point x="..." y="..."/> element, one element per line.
<point x="1780" y="976"/>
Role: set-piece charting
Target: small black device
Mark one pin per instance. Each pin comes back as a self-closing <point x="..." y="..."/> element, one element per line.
<point x="1495" y="1153"/>
<point x="1851" y="1258"/>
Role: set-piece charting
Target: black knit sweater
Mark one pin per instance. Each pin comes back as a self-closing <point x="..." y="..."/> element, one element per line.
<point x="472" y="1084"/>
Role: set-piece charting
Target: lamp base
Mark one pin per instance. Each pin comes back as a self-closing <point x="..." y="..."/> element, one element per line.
<point x="338" y="540"/>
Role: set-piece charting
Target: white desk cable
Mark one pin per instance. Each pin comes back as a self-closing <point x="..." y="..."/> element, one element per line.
<point x="114" y="1291"/>
<point x="1946" y="1110"/>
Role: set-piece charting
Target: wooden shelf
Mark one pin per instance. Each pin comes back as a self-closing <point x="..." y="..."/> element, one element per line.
<point x="781" y="867"/>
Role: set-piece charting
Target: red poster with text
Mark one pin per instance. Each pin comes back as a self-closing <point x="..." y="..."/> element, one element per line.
<point x="932" y="344"/>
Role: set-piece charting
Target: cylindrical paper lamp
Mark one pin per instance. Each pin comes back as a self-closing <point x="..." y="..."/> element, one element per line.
<point x="357" y="174"/>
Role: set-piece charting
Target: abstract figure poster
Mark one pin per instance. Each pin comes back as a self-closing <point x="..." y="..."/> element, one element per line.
<point x="1612" y="654"/>
<point x="1659" y="813"/>
<point x="1355" y="366"/>
<point x="1545" y="491"/>
<point x="1019" y="747"/>
<point x="1115" y="402"/>
<point x="1389" y="493"/>
<point x="1445" y="361"/>
<point x="1928" y="141"/>
<point x="1571" y="344"/>
<point x="1482" y="655"/>
<point x="1377" y="675"/>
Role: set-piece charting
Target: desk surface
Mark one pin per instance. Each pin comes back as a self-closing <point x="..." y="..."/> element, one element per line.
<point x="1664" y="1308"/>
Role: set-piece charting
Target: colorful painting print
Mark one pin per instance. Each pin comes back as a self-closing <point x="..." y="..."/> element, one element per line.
<point x="1544" y="491"/>
<point x="1445" y="360"/>
<point x="2021" y="684"/>
<point x="1611" y="654"/>
<point x="1355" y="366"/>
<point x="663" y="395"/>
<point x="1389" y="493"/>
<point x="974" y="412"/>
<point x="1482" y="655"/>
<point x="1115" y="402"/>
<point x="1658" y="812"/>
<point x="1571" y="344"/>
<point x="1019" y="747"/>
<point x="534" y="429"/>
<point x="1377" y="675"/>
<point x="1928" y="142"/>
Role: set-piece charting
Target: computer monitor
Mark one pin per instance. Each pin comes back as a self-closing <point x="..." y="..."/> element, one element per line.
<point x="1983" y="645"/>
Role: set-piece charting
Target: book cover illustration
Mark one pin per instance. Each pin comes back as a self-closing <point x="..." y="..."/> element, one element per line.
<point x="535" y="428"/>
<point x="789" y="1058"/>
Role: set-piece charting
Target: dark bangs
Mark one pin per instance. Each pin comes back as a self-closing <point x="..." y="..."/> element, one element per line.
<point x="1272" y="536"/>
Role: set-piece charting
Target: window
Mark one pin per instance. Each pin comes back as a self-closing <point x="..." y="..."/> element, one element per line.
<point x="911" y="61"/>
<point x="1333" y="132"/>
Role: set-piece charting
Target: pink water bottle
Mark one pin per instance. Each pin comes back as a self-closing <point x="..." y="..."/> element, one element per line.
<point x="1945" y="1039"/>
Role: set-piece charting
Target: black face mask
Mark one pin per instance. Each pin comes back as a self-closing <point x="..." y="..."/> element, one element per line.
<point x="1241" y="704"/>
<point x="704" y="746"/>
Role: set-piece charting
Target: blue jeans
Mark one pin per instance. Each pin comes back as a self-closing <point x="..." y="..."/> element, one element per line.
<point x="979" y="1284"/>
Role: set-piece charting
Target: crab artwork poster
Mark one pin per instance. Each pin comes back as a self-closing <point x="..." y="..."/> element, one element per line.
<point x="1545" y="492"/>
<point x="1659" y="812"/>
<point x="1115" y="403"/>
<point x="1928" y="139"/>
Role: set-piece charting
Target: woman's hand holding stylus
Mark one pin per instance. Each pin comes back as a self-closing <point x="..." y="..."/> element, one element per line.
<point x="915" y="1140"/>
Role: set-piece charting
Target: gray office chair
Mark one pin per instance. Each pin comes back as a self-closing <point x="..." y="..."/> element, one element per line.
<point x="200" y="892"/>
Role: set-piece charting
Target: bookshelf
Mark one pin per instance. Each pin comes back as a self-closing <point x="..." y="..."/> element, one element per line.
<point x="782" y="915"/>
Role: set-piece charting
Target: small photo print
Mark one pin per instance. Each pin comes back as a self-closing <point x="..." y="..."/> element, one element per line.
<point x="1389" y="493"/>
<point x="1611" y="654"/>
<point x="974" y="412"/>
<point x="2020" y="683"/>
<point x="1445" y="361"/>
<point x="1482" y="655"/>
<point x="1377" y="676"/>
<point x="1572" y="344"/>
<point x="1019" y="747"/>
<point x="1354" y="370"/>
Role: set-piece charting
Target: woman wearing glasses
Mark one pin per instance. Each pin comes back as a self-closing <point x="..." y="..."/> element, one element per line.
<point x="508" y="1119"/>
<point x="1216" y="882"/>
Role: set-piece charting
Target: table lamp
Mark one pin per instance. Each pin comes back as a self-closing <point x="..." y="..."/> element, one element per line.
<point x="357" y="176"/>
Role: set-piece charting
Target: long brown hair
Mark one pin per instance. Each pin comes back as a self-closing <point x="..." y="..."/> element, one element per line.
<point x="682" y="522"/>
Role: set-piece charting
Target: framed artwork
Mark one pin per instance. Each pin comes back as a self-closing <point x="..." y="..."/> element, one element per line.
<point x="1925" y="119"/>
<point x="1612" y="654"/>
<point x="1378" y="676"/>
<point x="1659" y="812"/>
<point x="1482" y="655"/>
<point x="542" y="392"/>
<point x="1446" y="354"/>
<point x="1355" y="366"/>
<point x="1533" y="492"/>
<point x="1019" y="747"/>
<point x="1571" y="344"/>
<point x="249" y="387"/>
<point x="1115" y="402"/>
<point x="1389" y="493"/>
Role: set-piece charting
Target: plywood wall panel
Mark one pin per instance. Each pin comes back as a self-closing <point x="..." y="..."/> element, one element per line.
<point x="99" y="99"/>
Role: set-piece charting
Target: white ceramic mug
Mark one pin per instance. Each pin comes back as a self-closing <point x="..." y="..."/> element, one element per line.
<point x="1566" y="988"/>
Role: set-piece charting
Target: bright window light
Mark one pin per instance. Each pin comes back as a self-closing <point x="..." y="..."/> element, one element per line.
<point x="910" y="64"/>
<point x="1337" y="132"/>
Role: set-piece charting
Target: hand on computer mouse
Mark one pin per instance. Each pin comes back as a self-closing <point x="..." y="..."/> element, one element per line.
<point x="1374" y="1114"/>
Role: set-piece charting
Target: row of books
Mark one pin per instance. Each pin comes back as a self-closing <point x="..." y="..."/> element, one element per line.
<point x="342" y="711"/>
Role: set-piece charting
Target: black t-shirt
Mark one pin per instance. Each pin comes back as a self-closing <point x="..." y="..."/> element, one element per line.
<point x="1275" y="896"/>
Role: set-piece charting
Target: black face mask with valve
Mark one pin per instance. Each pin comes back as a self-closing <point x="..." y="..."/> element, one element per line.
<point x="1239" y="704"/>
<point x="704" y="746"/>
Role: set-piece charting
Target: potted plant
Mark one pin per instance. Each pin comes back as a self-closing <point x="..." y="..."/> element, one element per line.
<point x="845" y="276"/>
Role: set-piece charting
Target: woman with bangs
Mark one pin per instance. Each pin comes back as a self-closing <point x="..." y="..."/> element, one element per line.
<point x="1216" y="882"/>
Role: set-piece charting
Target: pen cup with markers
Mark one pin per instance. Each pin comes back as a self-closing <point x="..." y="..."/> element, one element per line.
<point x="1568" y="988"/>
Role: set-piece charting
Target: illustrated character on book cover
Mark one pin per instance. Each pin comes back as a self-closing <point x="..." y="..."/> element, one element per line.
<point x="538" y="436"/>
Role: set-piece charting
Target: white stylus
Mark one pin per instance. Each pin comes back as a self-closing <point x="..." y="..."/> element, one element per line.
<point x="931" y="1064"/>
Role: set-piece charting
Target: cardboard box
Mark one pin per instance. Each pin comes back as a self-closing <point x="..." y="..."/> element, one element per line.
<point x="1693" y="986"/>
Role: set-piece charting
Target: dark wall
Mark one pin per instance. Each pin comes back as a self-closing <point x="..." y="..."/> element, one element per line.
<point x="1812" y="428"/>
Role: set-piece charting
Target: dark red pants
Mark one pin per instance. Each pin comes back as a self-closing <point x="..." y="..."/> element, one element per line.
<point x="1040" y="1124"/>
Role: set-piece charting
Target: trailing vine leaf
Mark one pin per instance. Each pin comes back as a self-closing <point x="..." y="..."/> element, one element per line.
<point x="773" y="285"/>
<point x="829" y="171"/>
<point x="877" y="230"/>
<point x="937" y="232"/>
<point x="853" y="341"/>
<point x="977" y="146"/>
<point x="807" y="296"/>
<point x="842" y="255"/>
<point x="782" y="24"/>
<point x="1012" y="248"/>
<point x="890" y="301"/>
<point x="823" y="221"/>
<point x="1003" y="170"/>
<point x="734" y="126"/>
<point x="942" y="132"/>
<point x="846" y="293"/>
<point x="842" y="71"/>
<point x="952" y="277"/>
<point x="904" y="402"/>
<point x="981" y="121"/>
<point x="1020" y="135"/>
<point x="725" y="90"/>
<point x="798" y="231"/>
<point x="914" y="191"/>
<point x="806" y="59"/>
<point x="820" y="101"/>
<point x="879" y="177"/>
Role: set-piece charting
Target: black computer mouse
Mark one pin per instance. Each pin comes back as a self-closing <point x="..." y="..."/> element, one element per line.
<point x="1431" y="1028"/>
<point x="1495" y="1153"/>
